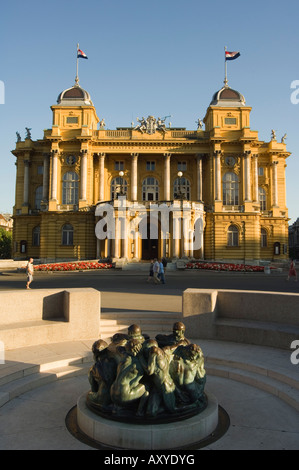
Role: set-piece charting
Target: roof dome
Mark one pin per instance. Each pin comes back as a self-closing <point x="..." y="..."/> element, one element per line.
<point x="227" y="97"/>
<point x="75" y="96"/>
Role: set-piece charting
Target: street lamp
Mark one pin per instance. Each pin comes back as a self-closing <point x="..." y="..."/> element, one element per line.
<point x="121" y="174"/>
<point x="180" y="195"/>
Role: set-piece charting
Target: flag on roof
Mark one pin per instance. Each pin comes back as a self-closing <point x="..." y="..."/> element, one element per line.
<point x="81" y="54"/>
<point x="231" y="55"/>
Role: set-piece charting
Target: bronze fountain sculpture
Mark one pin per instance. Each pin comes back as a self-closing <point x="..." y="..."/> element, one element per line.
<point x="146" y="380"/>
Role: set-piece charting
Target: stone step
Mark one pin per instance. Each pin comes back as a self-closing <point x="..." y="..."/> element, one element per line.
<point x="283" y="391"/>
<point x="151" y="323"/>
<point x="271" y="334"/>
<point x="17" y="387"/>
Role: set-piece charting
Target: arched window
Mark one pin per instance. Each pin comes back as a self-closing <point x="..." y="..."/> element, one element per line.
<point x="230" y="189"/>
<point x="182" y="186"/>
<point x="150" y="189"/>
<point x="38" y="197"/>
<point x="232" y="236"/>
<point x="36" y="236"/>
<point x="263" y="238"/>
<point x="70" y="188"/>
<point x="118" y="185"/>
<point x="262" y="199"/>
<point x="67" y="235"/>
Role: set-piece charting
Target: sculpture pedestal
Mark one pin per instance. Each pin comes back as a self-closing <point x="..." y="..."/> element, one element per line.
<point x="173" y="435"/>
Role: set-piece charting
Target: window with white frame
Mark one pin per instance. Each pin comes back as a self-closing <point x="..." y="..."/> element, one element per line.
<point x="67" y="235"/>
<point x="150" y="189"/>
<point x="70" y="188"/>
<point x="263" y="238"/>
<point x="119" y="165"/>
<point x="230" y="189"/>
<point x="181" y="187"/>
<point x="232" y="236"/>
<point x="38" y="197"/>
<point x="182" y="166"/>
<point x="262" y="199"/>
<point x="36" y="236"/>
<point x="119" y="185"/>
<point x="150" y="166"/>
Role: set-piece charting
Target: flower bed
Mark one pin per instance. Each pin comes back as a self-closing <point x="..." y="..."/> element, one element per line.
<point x="75" y="266"/>
<point x="225" y="267"/>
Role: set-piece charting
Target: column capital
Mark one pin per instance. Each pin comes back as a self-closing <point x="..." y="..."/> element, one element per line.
<point x="134" y="155"/>
<point x="246" y="153"/>
<point x="167" y="155"/>
<point x="217" y="153"/>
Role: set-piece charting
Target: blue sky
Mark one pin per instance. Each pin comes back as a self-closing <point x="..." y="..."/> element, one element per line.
<point x="161" y="57"/>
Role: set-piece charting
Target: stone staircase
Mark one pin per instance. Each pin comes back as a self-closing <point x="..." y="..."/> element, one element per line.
<point x="151" y="322"/>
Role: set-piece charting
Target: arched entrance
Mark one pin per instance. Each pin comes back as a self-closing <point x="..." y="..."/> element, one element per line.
<point x="150" y="242"/>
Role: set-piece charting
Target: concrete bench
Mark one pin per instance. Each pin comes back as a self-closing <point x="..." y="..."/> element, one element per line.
<point x="32" y="317"/>
<point x="254" y="317"/>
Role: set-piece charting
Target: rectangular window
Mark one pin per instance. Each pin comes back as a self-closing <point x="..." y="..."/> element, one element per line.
<point x="71" y="120"/>
<point x="230" y="121"/>
<point x="261" y="171"/>
<point x="182" y="166"/>
<point x="40" y="170"/>
<point x="118" y="166"/>
<point x="150" y="166"/>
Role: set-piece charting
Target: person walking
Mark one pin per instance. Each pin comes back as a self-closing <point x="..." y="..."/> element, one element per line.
<point x="156" y="270"/>
<point x="29" y="272"/>
<point x="292" y="271"/>
<point x="161" y="272"/>
<point x="151" y="272"/>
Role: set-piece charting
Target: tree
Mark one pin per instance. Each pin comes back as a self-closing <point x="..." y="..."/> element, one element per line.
<point x="5" y="244"/>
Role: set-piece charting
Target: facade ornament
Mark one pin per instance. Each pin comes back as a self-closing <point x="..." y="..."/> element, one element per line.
<point x="283" y="138"/>
<point x="151" y="125"/>
<point x="18" y="137"/>
<point x="199" y="124"/>
<point x="102" y="123"/>
<point x="273" y="135"/>
<point x="28" y="133"/>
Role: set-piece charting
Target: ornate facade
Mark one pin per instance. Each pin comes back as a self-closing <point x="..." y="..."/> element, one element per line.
<point x="222" y="189"/>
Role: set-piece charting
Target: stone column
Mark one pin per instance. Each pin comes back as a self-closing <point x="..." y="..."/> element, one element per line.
<point x="102" y="176"/>
<point x="255" y="178"/>
<point x="217" y="170"/>
<point x="134" y="176"/>
<point x="26" y="183"/>
<point x="167" y="176"/>
<point x="199" y="176"/>
<point x="54" y="175"/>
<point x="83" y="174"/>
<point x="247" y="175"/>
<point x="178" y="233"/>
<point x="274" y="183"/>
<point x="46" y="177"/>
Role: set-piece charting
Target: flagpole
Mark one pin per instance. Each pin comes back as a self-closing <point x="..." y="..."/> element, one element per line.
<point x="225" y="68"/>
<point x="77" y="77"/>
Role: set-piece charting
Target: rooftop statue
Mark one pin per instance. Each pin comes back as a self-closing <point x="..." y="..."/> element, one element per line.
<point x="138" y="378"/>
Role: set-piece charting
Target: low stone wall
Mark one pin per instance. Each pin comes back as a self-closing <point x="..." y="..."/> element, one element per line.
<point x="43" y="316"/>
<point x="256" y="317"/>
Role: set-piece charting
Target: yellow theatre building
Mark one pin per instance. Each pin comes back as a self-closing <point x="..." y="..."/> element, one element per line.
<point x="150" y="190"/>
